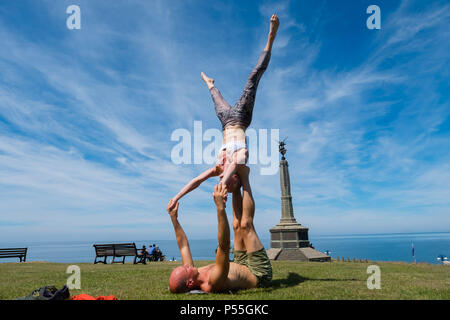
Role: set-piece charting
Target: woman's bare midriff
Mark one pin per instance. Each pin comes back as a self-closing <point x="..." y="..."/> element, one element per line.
<point x="234" y="133"/>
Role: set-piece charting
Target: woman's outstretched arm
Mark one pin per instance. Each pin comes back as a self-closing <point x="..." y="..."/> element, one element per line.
<point x="197" y="181"/>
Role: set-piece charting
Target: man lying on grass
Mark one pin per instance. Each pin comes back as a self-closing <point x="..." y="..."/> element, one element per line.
<point x="251" y="267"/>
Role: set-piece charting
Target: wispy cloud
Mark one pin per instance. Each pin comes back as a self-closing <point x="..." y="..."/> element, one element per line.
<point x="86" y="116"/>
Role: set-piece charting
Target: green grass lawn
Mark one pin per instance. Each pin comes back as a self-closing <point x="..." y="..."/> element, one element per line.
<point x="291" y="280"/>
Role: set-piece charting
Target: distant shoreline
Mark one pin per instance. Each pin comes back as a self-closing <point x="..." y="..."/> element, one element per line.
<point x="311" y="235"/>
<point x="391" y="247"/>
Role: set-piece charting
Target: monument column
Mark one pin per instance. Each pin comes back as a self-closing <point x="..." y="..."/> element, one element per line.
<point x="287" y="211"/>
<point x="289" y="239"/>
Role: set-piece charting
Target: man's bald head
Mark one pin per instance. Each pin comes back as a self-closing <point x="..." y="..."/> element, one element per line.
<point x="178" y="280"/>
<point x="183" y="279"/>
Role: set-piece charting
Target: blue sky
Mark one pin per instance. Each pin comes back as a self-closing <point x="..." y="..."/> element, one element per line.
<point x="86" y="115"/>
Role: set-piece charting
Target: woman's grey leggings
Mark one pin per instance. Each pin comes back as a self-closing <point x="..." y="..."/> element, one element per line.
<point x="241" y="113"/>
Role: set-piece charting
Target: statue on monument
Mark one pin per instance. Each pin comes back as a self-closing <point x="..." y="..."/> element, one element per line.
<point x="281" y="148"/>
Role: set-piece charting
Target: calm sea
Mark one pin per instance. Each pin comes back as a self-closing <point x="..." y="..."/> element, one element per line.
<point x="376" y="247"/>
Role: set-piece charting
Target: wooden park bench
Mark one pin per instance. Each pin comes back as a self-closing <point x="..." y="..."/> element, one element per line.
<point x="118" y="250"/>
<point x="20" y="253"/>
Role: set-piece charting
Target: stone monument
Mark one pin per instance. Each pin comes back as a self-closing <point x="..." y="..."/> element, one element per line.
<point x="289" y="239"/>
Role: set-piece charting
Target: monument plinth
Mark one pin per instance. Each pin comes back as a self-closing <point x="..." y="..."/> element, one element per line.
<point x="289" y="239"/>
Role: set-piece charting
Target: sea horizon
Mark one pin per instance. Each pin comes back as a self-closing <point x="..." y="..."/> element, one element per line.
<point x="394" y="247"/>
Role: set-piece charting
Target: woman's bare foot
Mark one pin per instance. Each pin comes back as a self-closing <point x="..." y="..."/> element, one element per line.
<point x="274" y="24"/>
<point x="209" y="81"/>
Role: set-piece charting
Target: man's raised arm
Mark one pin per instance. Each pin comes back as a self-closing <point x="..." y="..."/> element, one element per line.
<point x="182" y="241"/>
<point x="219" y="273"/>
